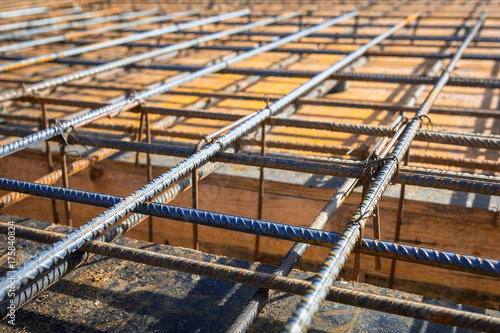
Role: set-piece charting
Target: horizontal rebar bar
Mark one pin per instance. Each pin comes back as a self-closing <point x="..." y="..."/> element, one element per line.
<point x="412" y="309"/>
<point x="442" y="179"/>
<point x="387" y="249"/>
<point x="488" y="113"/>
<point x="473" y="140"/>
<point x="113" y="42"/>
<point x="434" y="55"/>
<point x="30" y="89"/>
<point x="366" y="36"/>
<point x="52" y="20"/>
<point x="489" y="83"/>
<point x="69" y="25"/>
<point x="342" y="168"/>
<point x="33" y="268"/>
<point x="340" y="76"/>
<point x="23" y="12"/>
<point x="380" y="25"/>
<point x="97" y="31"/>
<point x="12" y="198"/>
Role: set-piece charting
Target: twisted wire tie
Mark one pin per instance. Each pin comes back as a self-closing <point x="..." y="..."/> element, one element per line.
<point x="265" y="99"/>
<point x="357" y="221"/>
<point x="65" y="133"/>
<point x="370" y="168"/>
<point x="423" y="117"/>
<point x="141" y="103"/>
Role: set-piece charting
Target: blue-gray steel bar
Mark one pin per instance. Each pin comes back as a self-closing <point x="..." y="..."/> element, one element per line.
<point x="416" y="176"/>
<point x="114" y="42"/>
<point x="404" y="79"/>
<point x="434" y="55"/>
<point x="411" y="253"/>
<point x="310" y="303"/>
<point x="29" y="89"/>
<point x="97" y="31"/>
<point x="72" y="261"/>
<point x="36" y="267"/>
<point x="69" y="25"/>
<point x="23" y="12"/>
<point x="408" y="308"/>
<point x="363" y="36"/>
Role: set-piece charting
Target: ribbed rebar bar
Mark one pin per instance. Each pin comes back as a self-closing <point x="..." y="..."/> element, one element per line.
<point x="412" y="309"/>
<point x="308" y="306"/>
<point x="331" y="102"/>
<point x="473" y="140"/>
<point x="100" y="30"/>
<point x="369" y="36"/>
<point x="417" y="176"/>
<point x="476" y="140"/>
<point x="69" y="25"/>
<point x="23" y="12"/>
<point x="52" y="20"/>
<point x="342" y="76"/>
<point x="411" y="253"/>
<point x="29" y="89"/>
<point x="434" y="55"/>
<point x="33" y="268"/>
<point x="114" y="42"/>
<point x="12" y="198"/>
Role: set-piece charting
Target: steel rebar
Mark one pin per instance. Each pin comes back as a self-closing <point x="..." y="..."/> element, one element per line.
<point x="308" y="306"/>
<point x="412" y="309"/>
<point x="23" y="12"/>
<point x="16" y="93"/>
<point x="51" y="20"/>
<point x="96" y="31"/>
<point x="70" y="25"/>
<point x="417" y="176"/>
<point x="387" y="249"/>
<point x="113" y="42"/>
<point x="33" y="268"/>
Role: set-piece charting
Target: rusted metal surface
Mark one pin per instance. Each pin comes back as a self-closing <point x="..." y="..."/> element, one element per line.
<point x="417" y="310"/>
<point x="273" y="105"/>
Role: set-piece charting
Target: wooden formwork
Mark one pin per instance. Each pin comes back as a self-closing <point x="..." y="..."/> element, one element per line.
<point x="433" y="218"/>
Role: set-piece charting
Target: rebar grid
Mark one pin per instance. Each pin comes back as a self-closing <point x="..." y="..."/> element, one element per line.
<point x="377" y="164"/>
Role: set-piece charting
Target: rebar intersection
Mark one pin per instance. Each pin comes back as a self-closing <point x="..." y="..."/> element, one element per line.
<point x="377" y="165"/>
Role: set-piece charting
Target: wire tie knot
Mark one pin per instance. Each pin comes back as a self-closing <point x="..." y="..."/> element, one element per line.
<point x="396" y="174"/>
<point x="266" y="100"/>
<point x="132" y="101"/>
<point x="65" y="133"/>
<point x="370" y="168"/>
